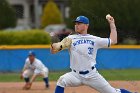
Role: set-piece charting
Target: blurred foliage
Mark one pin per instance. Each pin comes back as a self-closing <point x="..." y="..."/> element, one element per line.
<point x="125" y="12"/>
<point x="24" y="37"/>
<point x="7" y="15"/>
<point x="51" y="14"/>
<point x="130" y="41"/>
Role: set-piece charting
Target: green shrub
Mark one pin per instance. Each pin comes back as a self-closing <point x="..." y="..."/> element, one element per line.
<point x="7" y="15"/>
<point x="24" y="37"/>
<point x="51" y="15"/>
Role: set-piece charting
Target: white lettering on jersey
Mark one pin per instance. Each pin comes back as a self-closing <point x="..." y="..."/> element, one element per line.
<point x="83" y="50"/>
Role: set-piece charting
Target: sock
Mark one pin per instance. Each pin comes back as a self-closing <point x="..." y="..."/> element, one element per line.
<point x="46" y="80"/>
<point x="59" y="89"/>
<point x="26" y="80"/>
<point x="125" y="91"/>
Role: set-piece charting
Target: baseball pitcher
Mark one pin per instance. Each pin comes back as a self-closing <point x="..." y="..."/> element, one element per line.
<point x="83" y="48"/>
<point x="33" y="68"/>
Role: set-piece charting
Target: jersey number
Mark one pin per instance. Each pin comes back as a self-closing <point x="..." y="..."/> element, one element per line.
<point x="90" y="52"/>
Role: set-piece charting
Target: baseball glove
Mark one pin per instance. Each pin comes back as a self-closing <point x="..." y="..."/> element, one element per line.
<point x="65" y="43"/>
<point x="27" y="86"/>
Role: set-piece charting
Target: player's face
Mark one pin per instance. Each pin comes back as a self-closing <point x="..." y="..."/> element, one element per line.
<point x="31" y="58"/>
<point x="80" y="27"/>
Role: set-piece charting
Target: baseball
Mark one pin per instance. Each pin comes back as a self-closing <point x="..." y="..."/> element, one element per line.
<point x="108" y="16"/>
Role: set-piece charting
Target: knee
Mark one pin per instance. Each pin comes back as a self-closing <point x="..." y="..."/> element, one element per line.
<point x="45" y="73"/>
<point x="61" y="81"/>
<point x="25" y="74"/>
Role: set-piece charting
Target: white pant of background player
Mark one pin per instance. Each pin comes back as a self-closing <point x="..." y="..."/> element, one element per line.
<point x="29" y="72"/>
<point x="92" y="79"/>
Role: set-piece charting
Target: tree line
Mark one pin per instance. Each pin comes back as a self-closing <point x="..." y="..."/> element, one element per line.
<point x="125" y="12"/>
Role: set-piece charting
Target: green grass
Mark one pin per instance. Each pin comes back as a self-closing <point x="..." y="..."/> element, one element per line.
<point x="129" y="74"/>
<point x="15" y="77"/>
<point x="125" y="74"/>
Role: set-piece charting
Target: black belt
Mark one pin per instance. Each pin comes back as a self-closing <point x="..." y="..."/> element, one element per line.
<point x="84" y="72"/>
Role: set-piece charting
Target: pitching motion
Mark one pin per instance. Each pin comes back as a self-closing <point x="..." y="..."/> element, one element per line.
<point x="83" y="48"/>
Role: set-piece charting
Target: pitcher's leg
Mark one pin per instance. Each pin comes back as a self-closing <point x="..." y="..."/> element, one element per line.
<point x="70" y="79"/>
<point x="125" y="91"/>
<point x="109" y="89"/>
<point x="101" y="85"/>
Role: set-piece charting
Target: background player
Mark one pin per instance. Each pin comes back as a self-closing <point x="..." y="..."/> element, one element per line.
<point x="34" y="67"/>
<point x="83" y="49"/>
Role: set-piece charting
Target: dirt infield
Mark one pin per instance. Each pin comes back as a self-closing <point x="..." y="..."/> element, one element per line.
<point x="38" y="87"/>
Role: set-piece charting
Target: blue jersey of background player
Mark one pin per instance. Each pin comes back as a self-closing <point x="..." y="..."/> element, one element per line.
<point x="83" y="49"/>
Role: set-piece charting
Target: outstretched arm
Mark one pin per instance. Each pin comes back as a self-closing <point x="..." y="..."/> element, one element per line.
<point x="56" y="47"/>
<point x="113" y="33"/>
<point x="33" y="78"/>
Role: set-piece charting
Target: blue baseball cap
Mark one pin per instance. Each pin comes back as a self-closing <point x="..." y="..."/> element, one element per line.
<point x="31" y="53"/>
<point x="82" y="19"/>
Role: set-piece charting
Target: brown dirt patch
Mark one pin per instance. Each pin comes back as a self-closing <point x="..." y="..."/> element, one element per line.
<point x="38" y="87"/>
